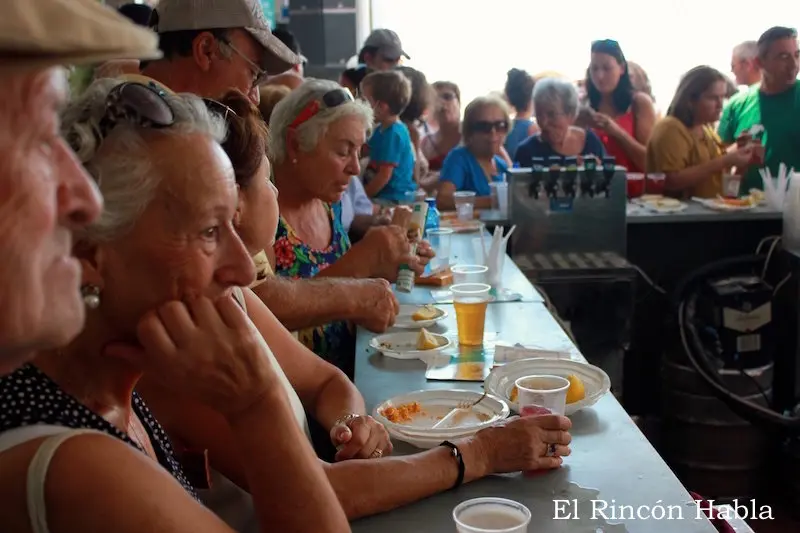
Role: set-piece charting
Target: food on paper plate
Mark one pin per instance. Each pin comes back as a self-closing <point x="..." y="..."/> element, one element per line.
<point x="400" y="414"/>
<point x="665" y="203"/>
<point x="576" y="391"/>
<point x="427" y="312"/>
<point x="426" y="341"/>
<point x="757" y="196"/>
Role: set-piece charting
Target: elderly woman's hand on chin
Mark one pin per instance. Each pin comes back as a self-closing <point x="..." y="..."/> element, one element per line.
<point x="386" y="248"/>
<point x="207" y="351"/>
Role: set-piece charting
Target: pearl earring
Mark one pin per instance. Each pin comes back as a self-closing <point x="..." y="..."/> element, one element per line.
<point x="91" y="295"/>
<point x="294" y="161"/>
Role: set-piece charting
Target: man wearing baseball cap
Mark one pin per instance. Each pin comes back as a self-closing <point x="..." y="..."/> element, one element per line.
<point x="211" y="46"/>
<point x="382" y="50"/>
<point x="44" y="192"/>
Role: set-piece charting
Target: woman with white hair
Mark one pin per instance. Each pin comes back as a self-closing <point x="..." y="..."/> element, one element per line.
<point x="555" y="104"/>
<point x="316" y="135"/>
<point x="159" y="268"/>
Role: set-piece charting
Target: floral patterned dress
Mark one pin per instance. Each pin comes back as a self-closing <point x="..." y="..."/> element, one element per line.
<point x="334" y="342"/>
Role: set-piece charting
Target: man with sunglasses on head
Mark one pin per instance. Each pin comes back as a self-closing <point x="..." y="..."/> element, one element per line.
<point x="215" y="45"/>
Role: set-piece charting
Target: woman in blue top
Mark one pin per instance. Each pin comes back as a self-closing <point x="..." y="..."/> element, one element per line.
<point x="555" y="102"/>
<point x="519" y="93"/>
<point x="472" y="166"/>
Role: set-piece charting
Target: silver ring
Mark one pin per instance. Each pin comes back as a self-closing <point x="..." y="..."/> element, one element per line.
<point x="551" y="450"/>
<point x="377" y="453"/>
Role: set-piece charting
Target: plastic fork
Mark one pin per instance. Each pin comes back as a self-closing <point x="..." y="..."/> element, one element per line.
<point x="462" y="406"/>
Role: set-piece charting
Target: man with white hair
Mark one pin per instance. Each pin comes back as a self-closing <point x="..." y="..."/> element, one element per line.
<point x="211" y="47"/>
<point x="744" y="63"/>
<point x="44" y="192"/>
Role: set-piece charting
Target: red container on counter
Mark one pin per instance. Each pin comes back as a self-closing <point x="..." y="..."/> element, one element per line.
<point x="654" y="183"/>
<point x="635" y="184"/>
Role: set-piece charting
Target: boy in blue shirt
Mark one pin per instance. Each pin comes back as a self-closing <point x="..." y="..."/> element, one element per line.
<point x="390" y="171"/>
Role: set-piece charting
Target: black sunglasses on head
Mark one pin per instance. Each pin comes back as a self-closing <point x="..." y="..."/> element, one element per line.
<point x="486" y="126"/>
<point x="132" y="103"/>
<point x="219" y="108"/>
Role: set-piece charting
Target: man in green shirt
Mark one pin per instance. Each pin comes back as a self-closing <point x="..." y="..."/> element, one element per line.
<point x="774" y="104"/>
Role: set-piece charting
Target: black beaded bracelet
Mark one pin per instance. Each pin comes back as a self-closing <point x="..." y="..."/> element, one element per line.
<point x="456" y="453"/>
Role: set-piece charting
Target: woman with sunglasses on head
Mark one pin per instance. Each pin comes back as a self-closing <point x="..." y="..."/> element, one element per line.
<point x="316" y="135"/>
<point x="362" y="464"/>
<point x="621" y="116"/>
<point x="555" y="103"/>
<point x="159" y="269"/>
<point x="474" y="165"/>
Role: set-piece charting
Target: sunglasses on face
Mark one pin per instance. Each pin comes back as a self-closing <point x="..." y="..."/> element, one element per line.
<point x="329" y="100"/>
<point x="130" y="103"/>
<point x="485" y="126"/>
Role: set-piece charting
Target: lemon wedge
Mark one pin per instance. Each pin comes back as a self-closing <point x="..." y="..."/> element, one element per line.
<point x="426" y="341"/>
<point x="576" y="391"/>
<point x="427" y="312"/>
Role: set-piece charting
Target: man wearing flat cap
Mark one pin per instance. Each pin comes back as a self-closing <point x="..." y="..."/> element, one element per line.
<point x="44" y="192"/>
<point x="212" y="46"/>
<point x="382" y="50"/>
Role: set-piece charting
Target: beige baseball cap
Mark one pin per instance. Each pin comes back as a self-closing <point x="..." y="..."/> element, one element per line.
<point x="182" y="15"/>
<point x="41" y="33"/>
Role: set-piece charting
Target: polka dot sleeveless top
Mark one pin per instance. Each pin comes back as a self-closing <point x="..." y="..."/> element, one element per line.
<point x="28" y="397"/>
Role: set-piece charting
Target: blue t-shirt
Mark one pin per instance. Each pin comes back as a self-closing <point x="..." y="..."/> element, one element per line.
<point x="462" y="170"/>
<point x="534" y="146"/>
<point x="392" y="146"/>
<point x="518" y="133"/>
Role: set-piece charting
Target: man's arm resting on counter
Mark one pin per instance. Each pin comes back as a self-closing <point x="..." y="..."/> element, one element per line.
<point x="362" y="488"/>
<point x="300" y="304"/>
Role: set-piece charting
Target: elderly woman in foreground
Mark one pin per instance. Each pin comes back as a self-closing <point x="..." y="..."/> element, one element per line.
<point x="474" y="165"/>
<point x="321" y="389"/>
<point x="316" y="134"/>
<point x="555" y="103"/>
<point x="159" y="268"/>
<point x="684" y="144"/>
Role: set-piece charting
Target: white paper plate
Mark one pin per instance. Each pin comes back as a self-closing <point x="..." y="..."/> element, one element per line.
<point x="436" y="404"/>
<point x="720" y="206"/>
<point x="501" y="379"/>
<point x="404" y="345"/>
<point x="405" y="321"/>
<point x="650" y="206"/>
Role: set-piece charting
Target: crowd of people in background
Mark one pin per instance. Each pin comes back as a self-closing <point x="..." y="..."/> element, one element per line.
<point x="191" y="241"/>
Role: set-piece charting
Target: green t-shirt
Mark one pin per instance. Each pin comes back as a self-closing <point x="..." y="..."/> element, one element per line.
<point x="779" y="114"/>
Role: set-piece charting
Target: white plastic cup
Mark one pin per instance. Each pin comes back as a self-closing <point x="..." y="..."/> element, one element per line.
<point x="440" y="239"/>
<point x="542" y="394"/>
<point x="465" y="205"/>
<point x="500" y="196"/>
<point x="491" y="515"/>
<point x="469" y="274"/>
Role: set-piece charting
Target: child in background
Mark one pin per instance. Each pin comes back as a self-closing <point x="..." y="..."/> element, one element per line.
<point x="390" y="171"/>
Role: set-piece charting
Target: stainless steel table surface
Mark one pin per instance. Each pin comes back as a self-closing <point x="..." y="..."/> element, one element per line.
<point x="611" y="463"/>
<point x="699" y="213"/>
<point x="462" y="252"/>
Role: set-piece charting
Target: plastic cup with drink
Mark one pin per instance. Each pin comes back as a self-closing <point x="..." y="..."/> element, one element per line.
<point x="469" y="274"/>
<point x="470" y="301"/>
<point x="655" y="182"/>
<point x="465" y="205"/>
<point x="635" y="185"/>
<point x="491" y="515"/>
<point x="542" y="395"/>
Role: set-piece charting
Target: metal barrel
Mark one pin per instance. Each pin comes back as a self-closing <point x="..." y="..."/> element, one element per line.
<point x="713" y="451"/>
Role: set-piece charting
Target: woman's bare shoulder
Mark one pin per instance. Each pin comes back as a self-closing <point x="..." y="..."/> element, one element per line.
<point x="135" y="493"/>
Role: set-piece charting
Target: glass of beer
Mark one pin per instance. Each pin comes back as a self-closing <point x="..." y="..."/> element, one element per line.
<point x="470" y="301"/>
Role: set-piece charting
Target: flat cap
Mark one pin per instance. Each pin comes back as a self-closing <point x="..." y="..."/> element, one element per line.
<point x="42" y="33"/>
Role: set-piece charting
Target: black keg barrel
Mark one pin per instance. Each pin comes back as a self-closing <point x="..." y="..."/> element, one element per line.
<point x="712" y="450"/>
